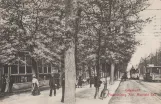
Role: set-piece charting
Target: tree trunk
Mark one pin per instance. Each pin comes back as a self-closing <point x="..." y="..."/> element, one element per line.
<point x="115" y="73"/>
<point x="34" y="68"/>
<point x="112" y="73"/>
<point x="62" y="66"/>
<point x="98" y="63"/>
<point x="77" y="21"/>
<point x="118" y="74"/>
<point x="106" y="68"/>
<point x="70" y="65"/>
<point x="70" y="76"/>
<point x="89" y="70"/>
<point x="94" y="68"/>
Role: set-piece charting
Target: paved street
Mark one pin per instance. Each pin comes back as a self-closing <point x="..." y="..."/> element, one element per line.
<point x="137" y="92"/>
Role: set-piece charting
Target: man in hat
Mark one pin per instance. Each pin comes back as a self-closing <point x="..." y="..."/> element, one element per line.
<point x="52" y="84"/>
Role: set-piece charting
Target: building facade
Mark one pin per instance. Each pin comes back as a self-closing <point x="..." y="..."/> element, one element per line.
<point x="21" y="69"/>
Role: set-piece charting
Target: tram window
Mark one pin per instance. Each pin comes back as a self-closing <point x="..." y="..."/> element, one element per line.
<point x="155" y="70"/>
<point x="148" y="70"/>
<point x="49" y="69"/>
<point x="14" y="69"/>
<point x="28" y="69"/>
<point x="45" y="69"/>
<point x="22" y="69"/>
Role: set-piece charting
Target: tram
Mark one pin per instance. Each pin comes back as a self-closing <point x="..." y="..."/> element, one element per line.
<point x="134" y="73"/>
<point x="153" y="73"/>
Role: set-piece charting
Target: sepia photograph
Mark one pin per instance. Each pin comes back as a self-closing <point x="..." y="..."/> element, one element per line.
<point x="80" y="51"/>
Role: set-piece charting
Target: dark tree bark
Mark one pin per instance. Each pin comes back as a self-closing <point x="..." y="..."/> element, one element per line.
<point x="90" y="76"/>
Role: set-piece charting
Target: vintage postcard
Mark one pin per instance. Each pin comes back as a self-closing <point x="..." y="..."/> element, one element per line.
<point x="80" y="51"/>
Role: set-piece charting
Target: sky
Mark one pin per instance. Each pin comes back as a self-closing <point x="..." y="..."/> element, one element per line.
<point x="150" y="37"/>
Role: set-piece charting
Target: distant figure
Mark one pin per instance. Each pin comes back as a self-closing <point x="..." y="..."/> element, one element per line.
<point x="57" y="76"/>
<point x="25" y="79"/>
<point x="91" y="81"/>
<point x="52" y="84"/>
<point x="104" y="92"/>
<point x="44" y="77"/>
<point x="3" y="83"/>
<point x="124" y="77"/>
<point x="80" y="82"/>
<point x="138" y="77"/>
<point x="35" y="86"/>
<point x="63" y="87"/>
<point x="76" y="84"/>
<point x="11" y="84"/>
<point x="7" y="84"/>
<point x="97" y="84"/>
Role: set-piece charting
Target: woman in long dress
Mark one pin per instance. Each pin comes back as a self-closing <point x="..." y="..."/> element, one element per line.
<point x="7" y="84"/>
<point x="35" y="86"/>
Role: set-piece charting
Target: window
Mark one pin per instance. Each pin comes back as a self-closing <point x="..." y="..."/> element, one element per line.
<point x="14" y="69"/>
<point x="22" y="60"/>
<point x="6" y="69"/>
<point x="45" y="69"/>
<point x="49" y="69"/>
<point x="39" y="63"/>
<point x="28" y="69"/>
<point x="21" y="69"/>
<point x="155" y="70"/>
<point x="28" y="60"/>
<point x="40" y="69"/>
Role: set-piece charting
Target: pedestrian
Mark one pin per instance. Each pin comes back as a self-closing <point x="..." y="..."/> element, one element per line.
<point x="104" y="92"/>
<point x="11" y="84"/>
<point x="7" y="84"/>
<point x="97" y="84"/>
<point x="80" y="82"/>
<point x="125" y="76"/>
<point x="3" y="83"/>
<point x="35" y="86"/>
<point x="57" y="76"/>
<point x="52" y="84"/>
<point x="63" y="87"/>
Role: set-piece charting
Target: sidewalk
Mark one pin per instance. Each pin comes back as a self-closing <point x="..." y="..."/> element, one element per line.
<point x="88" y="97"/>
<point x="25" y="87"/>
<point x="84" y="95"/>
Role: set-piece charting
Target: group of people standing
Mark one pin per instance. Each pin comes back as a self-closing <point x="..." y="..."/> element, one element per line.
<point x="53" y="84"/>
<point x="7" y="83"/>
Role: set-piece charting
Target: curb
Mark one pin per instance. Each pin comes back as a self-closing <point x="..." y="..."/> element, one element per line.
<point x="110" y="97"/>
